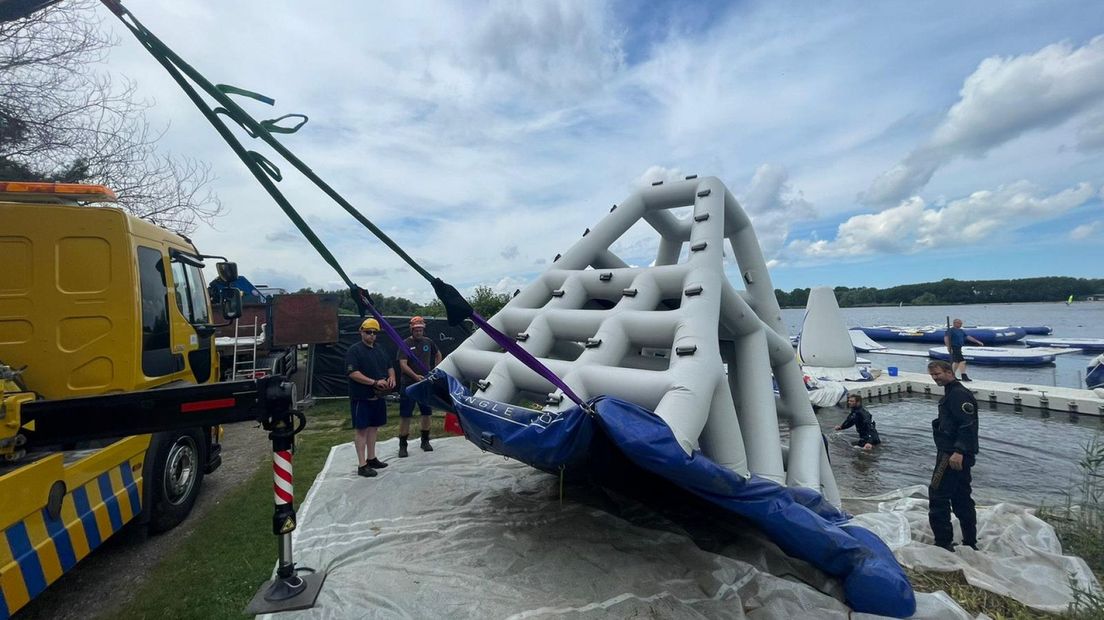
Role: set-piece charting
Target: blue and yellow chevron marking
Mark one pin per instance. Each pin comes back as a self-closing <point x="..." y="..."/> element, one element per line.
<point x="36" y="551"/>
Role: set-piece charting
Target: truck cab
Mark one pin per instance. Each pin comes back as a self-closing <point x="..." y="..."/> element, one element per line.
<point x="93" y="301"/>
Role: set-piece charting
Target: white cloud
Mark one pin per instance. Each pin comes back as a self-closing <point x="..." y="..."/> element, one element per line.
<point x="656" y="174"/>
<point x="558" y="49"/>
<point x="913" y="226"/>
<point x="485" y="137"/>
<point x="283" y="236"/>
<point x="505" y="285"/>
<point x="1087" y="231"/>
<point x="1090" y="135"/>
<point x="1001" y="100"/>
<point x="773" y="205"/>
<point x="368" y="272"/>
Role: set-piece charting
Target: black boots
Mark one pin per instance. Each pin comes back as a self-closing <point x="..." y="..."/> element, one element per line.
<point x="404" y="439"/>
<point x="965" y="377"/>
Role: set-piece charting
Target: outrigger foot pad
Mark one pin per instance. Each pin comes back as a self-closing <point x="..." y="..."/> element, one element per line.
<point x="287" y="594"/>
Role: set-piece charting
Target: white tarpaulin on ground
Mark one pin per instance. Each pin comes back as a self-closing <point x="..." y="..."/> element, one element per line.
<point x="1018" y="556"/>
<point x="458" y="533"/>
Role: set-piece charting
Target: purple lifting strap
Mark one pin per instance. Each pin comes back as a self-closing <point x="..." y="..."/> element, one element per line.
<point x="526" y="358"/>
<point x="395" y="337"/>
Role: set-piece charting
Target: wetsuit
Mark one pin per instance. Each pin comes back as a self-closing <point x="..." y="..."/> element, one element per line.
<point x="955" y="430"/>
<point x="863" y="422"/>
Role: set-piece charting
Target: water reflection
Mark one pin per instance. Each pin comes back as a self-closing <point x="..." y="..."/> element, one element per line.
<point x="1025" y="457"/>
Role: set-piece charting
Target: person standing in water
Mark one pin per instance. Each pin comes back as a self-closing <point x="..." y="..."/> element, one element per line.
<point x="863" y="422"/>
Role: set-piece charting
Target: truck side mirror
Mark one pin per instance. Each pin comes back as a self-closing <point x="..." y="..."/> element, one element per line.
<point x="227" y="272"/>
<point x="231" y="303"/>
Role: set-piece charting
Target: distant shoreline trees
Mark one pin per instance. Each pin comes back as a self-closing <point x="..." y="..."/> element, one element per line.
<point x="946" y="292"/>
<point x="483" y="300"/>
<point x="953" y="292"/>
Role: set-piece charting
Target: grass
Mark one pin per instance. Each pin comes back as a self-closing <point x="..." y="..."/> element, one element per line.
<point x="1080" y="526"/>
<point x="1080" y="521"/>
<point x="972" y="598"/>
<point x="216" y="571"/>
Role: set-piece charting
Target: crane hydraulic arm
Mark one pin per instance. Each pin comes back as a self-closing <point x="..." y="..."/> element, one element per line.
<point x="32" y="424"/>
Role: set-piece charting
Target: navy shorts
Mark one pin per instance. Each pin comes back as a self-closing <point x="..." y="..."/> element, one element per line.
<point x="406" y="406"/>
<point x="956" y="354"/>
<point x="368" y="413"/>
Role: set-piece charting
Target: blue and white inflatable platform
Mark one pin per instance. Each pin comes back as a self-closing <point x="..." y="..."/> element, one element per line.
<point x="935" y="334"/>
<point x="998" y="356"/>
<point x="1087" y="345"/>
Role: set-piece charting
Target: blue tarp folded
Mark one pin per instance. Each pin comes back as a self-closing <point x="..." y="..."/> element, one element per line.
<point x="799" y="521"/>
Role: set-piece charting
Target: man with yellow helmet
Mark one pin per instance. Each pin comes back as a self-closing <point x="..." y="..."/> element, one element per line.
<point x="371" y="375"/>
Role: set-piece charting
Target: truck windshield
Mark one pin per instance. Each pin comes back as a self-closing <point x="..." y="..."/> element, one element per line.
<point x="191" y="296"/>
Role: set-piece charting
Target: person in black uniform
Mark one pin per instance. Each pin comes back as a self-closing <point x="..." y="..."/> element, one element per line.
<point x="956" y="440"/>
<point x="863" y="422"/>
<point x="370" y="377"/>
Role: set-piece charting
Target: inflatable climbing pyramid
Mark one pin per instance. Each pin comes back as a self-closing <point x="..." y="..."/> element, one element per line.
<point x="676" y="337"/>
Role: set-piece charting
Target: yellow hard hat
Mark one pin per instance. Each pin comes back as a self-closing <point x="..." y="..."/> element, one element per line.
<point x="369" y="324"/>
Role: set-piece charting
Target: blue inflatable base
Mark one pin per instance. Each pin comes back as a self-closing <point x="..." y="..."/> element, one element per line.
<point x="618" y="441"/>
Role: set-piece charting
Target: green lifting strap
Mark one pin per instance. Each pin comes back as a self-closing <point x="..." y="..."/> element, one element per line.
<point x="174" y="65"/>
<point x="234" y="90"/>
<point x="271" y="125"/>
<point x="264" y="171"/>
<point x="168" y="59"/>
<point x="270" y="168"/>
<point x="230" y="115"/>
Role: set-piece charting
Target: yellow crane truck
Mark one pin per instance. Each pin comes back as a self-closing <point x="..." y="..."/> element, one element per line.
<point x="105" y="331"/>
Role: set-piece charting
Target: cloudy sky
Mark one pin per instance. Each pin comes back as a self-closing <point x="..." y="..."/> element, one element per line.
<point x="871" y="143"/>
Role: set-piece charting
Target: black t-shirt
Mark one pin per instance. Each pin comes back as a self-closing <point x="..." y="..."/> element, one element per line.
<point x="425" y="350"/>
<point x="372" y="362"/>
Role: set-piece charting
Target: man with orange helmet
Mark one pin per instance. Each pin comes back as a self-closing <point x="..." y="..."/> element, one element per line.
<point x="430" y="356"/>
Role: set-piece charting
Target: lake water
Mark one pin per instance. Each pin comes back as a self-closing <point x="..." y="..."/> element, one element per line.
<point x="1024" y="458"/>
<point x="1079" y="319"/>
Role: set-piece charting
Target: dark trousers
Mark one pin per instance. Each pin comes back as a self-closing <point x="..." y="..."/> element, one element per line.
<point x="950" y="490"/>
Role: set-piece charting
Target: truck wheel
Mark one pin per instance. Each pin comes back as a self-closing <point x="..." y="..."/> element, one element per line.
<point x="177" y="476"/>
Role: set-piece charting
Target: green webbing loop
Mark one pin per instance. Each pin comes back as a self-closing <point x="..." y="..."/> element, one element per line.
<point x="271" y="126"/>
<point x="230" y="115"/>
<point x="175" y="64"/>
<point x="178" y="69"/>
<point x="234" y="90"/>
<point x="269" y="167"/>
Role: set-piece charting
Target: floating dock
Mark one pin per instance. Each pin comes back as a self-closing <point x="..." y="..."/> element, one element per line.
<point x="1043" y="398"/>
